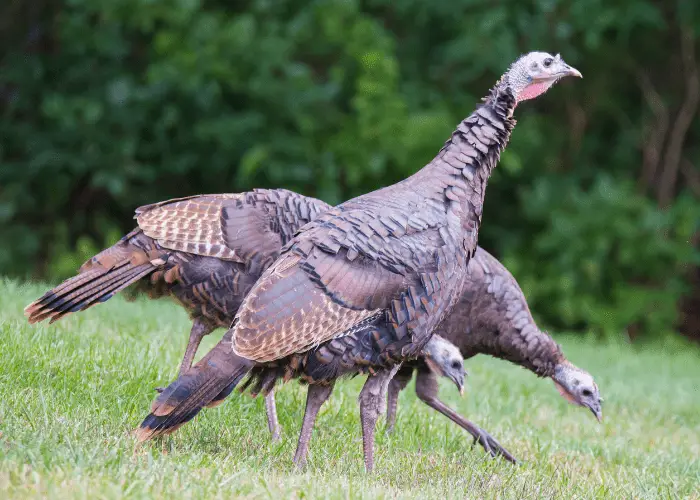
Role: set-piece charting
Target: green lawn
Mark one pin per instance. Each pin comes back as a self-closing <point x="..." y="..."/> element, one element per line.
<point x="71" y="392"/>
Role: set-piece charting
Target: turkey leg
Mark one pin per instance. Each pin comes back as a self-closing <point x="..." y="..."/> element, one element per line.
<point x="427" y="390"/>
<point x="372" y="404"/>
<point x="199" y="330"/>
<point x="315" y="397"/>
<point x="397" y="384"/>
<point x="271" y="409"/>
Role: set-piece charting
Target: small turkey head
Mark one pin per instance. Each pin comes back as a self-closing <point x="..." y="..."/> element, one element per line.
<point x="444" y="359"/>
<point x="534" y="73"/>
<point x="577" y="387"/>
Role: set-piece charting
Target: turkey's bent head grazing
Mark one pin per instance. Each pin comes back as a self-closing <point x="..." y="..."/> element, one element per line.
<point x="577" y="387"/>
<point x="534" y="73"/>
<point x="444" y="359"/>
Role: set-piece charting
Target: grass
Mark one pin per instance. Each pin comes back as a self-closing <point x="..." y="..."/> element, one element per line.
<point x="71" y="392"/>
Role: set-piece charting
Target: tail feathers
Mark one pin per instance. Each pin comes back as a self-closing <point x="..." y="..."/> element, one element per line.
<point x="86" y="289"/>
<point x="219" y="398"/>
<point x="207" y="383"/>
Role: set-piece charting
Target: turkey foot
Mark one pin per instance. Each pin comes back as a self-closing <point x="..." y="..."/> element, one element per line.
<point x="488" y="442"/>
<point x="427" y="389"/>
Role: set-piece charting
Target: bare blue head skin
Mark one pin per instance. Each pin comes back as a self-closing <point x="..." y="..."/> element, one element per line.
<point x="445" y="360"/>
<point x="578" y="387"/>
<point x="534" y="73"/>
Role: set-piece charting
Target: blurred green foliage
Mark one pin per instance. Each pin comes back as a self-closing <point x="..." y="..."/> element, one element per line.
<point x="111" y="104"/>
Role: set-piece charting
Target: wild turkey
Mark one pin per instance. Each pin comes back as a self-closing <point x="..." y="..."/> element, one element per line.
<point x="209" y="274"/>
<point x="363" y="286"/>
<point x="493" y="318"/>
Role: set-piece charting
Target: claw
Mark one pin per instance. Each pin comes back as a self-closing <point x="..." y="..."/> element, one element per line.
<point x="484" y="441"/>
<point x="492" y="447"/>
<point x="426" y="392"/>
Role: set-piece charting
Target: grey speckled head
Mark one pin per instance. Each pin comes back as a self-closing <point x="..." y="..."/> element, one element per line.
<point x="534" y="73"/>
<point x="443" y="358"/>
<point x="578" y="387"/>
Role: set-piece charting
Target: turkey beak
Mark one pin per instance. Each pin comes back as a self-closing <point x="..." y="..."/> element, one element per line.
<point x="567" y="70"/>
<point x="597" y="411"/>
<point x="460" y="385"/>
<point x="563" y="69"/>
<point x="574" y="72"/>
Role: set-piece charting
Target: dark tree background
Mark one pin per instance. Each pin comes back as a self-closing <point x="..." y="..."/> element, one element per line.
<point x="111" y="104"/>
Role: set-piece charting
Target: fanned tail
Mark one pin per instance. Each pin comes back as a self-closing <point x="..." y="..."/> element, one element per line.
<point x="207" y="383"/>
<point x="100" y="278"/>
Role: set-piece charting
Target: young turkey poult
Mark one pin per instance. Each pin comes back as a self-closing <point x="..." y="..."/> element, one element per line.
<point x="363" y="287"/>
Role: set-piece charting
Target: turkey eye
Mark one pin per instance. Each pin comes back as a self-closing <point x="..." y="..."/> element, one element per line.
<point x="586" y="392"/>
<point x="548" y="62"/>
<point x="455" y="364"/>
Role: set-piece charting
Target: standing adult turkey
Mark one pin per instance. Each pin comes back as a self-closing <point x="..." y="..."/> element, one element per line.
<point x="390" y="263"/>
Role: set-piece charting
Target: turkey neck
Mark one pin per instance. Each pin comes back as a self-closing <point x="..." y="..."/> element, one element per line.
<point x="494" y="318"/>
<point x="527" y="346"/>
<point x="517" y="340"/>
<point x="506" y="325"/>
<point x="459" y="173"/>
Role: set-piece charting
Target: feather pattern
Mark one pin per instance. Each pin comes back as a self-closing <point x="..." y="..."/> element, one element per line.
<point x="492" y="317"/>
<point x="381" y="252"/>
<point x="233" y="238"/>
